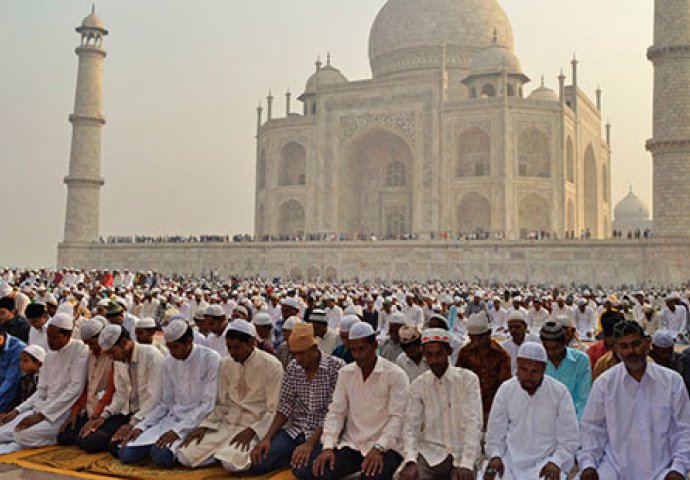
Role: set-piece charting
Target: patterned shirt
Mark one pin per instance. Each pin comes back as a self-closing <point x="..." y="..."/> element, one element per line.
<point x="284" y="354"/>
<point x="491" y="365"/>
<point x="305" y="401"/>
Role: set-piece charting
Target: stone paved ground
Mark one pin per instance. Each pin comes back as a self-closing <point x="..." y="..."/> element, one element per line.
<point x="9" y="472"/>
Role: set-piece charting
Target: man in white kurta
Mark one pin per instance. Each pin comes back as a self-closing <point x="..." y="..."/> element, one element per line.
<point x="37" y="421"/>
<point x="248" y="392"/>
<point x="585" y="321"/>
<point x="532" y="430"/>
<point x="188" y="394"/>
<point x="636" y="425"/>
<point x="442" y="443"/>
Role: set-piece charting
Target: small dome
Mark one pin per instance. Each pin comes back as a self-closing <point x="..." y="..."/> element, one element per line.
<point x="93" y="21"/>
<point x="494" y="59"/>
<point x="544" y="94"/>
<point x="324" y="76"/>
<point x="631" y="206"/>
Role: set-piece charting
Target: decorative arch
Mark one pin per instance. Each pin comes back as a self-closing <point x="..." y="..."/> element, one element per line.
<point x="488" y="90"/>
<point x="313" y="273"/>
<point x="474" y="214"/>
<point x="510" y="90"/>
<point x="291" y="218"/>
<point x="570" y="160"/>
<point x="375" y="184"/>
<point x="534" y="156"/>
<point x="534" y="215"/>
<point x="293" y="165"/>
<point x="591" y="193"/>
<point x="331" y="274"/>
<point x="474" y="153"/>
<point x="261" y="170"/>
<point x="296" y="273"/>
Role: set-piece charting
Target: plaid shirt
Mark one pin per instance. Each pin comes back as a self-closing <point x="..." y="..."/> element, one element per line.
<point x="306" y="402"/>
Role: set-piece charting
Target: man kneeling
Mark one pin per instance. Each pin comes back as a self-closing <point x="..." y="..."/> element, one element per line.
<point x="248" y="391"/>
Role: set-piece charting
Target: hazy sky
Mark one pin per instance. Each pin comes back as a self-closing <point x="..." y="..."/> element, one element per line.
<point x="183" y="79"/>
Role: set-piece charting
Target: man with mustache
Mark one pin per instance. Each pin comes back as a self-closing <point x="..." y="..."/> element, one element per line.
<point x="636" y="425"/>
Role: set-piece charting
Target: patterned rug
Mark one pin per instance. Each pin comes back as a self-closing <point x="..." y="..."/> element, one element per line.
<point x="73" y="461"/>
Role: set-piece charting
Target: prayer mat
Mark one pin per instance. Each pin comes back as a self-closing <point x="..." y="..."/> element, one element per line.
<point x="74" y="462"/>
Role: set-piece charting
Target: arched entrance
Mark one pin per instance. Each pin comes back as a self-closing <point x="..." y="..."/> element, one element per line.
<point x="473" y="214"/>
<point x="534" y="215"/>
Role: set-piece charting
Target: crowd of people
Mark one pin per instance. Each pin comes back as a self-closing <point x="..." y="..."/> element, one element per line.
<point x="478" y="235"/>
<point x="411" y="381"/>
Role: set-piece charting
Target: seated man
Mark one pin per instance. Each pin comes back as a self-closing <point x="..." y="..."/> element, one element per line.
<point x="30" y="361"/>
<point x="10" y="374"/>
<point x="441" y="444"/>
<point x="636" y="425"/>
<point x="532" y="431"/>
<point x="283" y="351"/>
<point x="188" y="393"/>
<point x="97" y="393"/>
<point x="567" y="365"/>
<point x="306" y="392"/>
<point x="342" y="351"/>
<point x="37" y="316"/>
<point x="137" y="370"/>
<point x="11" y="321"/>
<point x="390" y="347"/>
<point x="145" y="330"/>
<point x="216" y="322"/>
<point x="327" y="338"/>
<point x="264" y="332"/>
<point x="248" y="388"/>
<point x="363" y="427"/>
<point x="412" y="359"/>
<point x="37" y="421"/>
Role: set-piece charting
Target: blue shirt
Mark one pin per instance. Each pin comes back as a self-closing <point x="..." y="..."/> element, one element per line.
<point x="575" y="373"/>
<point x="10" y="375"/>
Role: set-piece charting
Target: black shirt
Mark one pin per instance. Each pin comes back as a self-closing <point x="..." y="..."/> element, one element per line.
<point x="17" y="327"/>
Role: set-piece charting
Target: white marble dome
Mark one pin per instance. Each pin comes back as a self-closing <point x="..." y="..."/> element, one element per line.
<point x="409" y="35"/>
<point x="93" y="21"/>
<point x="494" y="59"/>
<point x="631" y="206"/>
<point x="324" y="76"/>
<point x="544" y="94"/>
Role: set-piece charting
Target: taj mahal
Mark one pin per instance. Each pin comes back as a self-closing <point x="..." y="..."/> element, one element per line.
<point x="449" y="138"/>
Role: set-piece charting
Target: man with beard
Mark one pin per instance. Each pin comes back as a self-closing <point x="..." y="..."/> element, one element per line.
<point x="532" y="431"/>
<point x="441" y="444"/>
<point x="517" y="327"/>
<point x="636" y="425"/>
<point x="390" y="348"/>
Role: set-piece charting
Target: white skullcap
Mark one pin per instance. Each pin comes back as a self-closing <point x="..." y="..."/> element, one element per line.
<point x="398" y="318"/>
<point x="92" y="327"/>
<point x="435" y="335"/>
<point x="147" y="322"/>
<point x="108" y="337"/>
<point x="361" y="330"/>
<point x="290" y="323"/>
<point x="104" y="302"/>
<point x="200" y="313"/>
<point x="565" y="320"/>
<point x="290" y="302"/>
<point x="582" y="301"/>
<point x="353" y="310"/>
<point x="215" y="311"/>
<point x="242" y="326"/>
<point x="175" y="330"/>
<point x="673" y="296"/>
<point x="347" y="322"/>
<point x="262" y="319"/>
<point x="5" y="289"/>
<point x="62" y="320"/>
<point x="517" y="315"/>
<point x="533" y="351"/>
<point x="478" y="324"/>
<point x="66" y="307"/>
<point x="36" y="351"/>
<point x="663" y="339"/>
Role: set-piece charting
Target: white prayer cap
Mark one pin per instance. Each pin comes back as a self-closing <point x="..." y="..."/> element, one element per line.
<point x="347" y="322"/>
<point x="517" y="298"/>
<point x="5" y="289"/>
<point x="582" y="301"/>
<point x="104" y="302"/>
<point x="478" y="324"/>
<point x="242" y="326"/>
<point x="66" y="307"/>
<point x="673" y="296"/>
<point x="147" y="322"/>
<point x="262" y="319"/>
<point x="565" y="320"/>
<point x="290" y="323"/>
<point x="318" y="316"/>
<point x="200" y="313"/>
<point x="353" y="310"/>
<point x="215" y="311"/>
<point x="62" y="320"/>
<point x="109" y="336"/>
<point x="175" y="330"/>
<point x="398" y="318"/>
<point x="92" y="327"/>
<point x="533" y="351"/>
<point x="361" y="330"/>
<point x="435" y="335"/>
<point x="517" y="315"/>
<point x="290" y="302"/>
<point x="36" y="351"/>
<point x="663" y="339"/>
<point x="121" y="301"/>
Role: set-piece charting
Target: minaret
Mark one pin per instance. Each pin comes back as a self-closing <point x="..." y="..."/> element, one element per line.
<point x="670" y="145"/>
<point x="84" y="180"/>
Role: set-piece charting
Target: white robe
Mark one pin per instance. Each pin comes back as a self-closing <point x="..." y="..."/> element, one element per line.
<point x="188" y="393"/>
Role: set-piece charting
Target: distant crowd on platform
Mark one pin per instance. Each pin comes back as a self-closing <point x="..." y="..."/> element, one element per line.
<point x="411" y="381"/>
<point x="477" y="235"/>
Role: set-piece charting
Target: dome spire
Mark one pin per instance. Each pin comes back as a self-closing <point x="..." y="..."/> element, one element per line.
<point x="318" y="63"/>
<point x="328" y="59"/>
<point x="495" y="40"/>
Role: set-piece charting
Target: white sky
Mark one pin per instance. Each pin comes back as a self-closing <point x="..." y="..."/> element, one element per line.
<point x="183" y="79"/>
